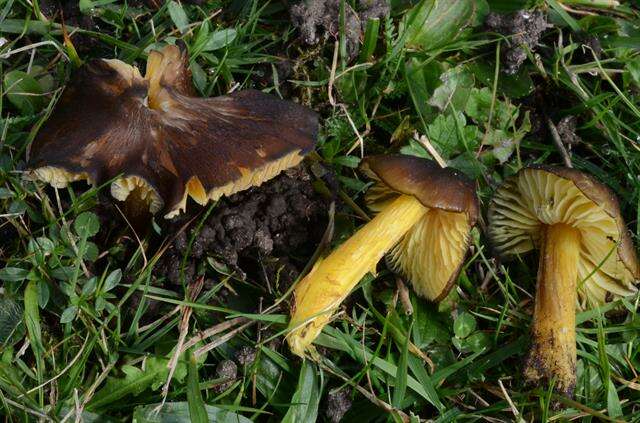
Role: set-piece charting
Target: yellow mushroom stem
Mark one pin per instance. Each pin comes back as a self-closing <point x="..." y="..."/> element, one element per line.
<point x="320" y="293"/>
<point x="553" y="353"/>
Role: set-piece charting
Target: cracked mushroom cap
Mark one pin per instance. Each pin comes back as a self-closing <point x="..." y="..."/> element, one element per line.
<point x="432" y="253"/>
<point x="546" y="195"/>
<point x="152" y="137"/>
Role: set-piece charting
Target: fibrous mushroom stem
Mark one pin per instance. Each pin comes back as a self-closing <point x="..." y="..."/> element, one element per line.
<point x="319" y="294"/>
<point x="553" y="353"/>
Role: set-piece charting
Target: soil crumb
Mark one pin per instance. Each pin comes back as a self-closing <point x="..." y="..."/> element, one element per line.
<point x="524" y="29"/>
<point x="259" y="231"/>
<point x="227" y="370"/>
<point x="317" y="19"/>
<point x="69" y="13"/>
<point x="337" y="404"/>
<point x="246" y="355"/>
<point x="567" y="131"/>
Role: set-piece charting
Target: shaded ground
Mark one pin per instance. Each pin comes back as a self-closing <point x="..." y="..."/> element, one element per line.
<point x="269" y="231"/>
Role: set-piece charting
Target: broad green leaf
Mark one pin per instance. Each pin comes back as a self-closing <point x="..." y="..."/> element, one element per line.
<point x="432" y="24"/>
<point x="305" y="401"/>
<point x="418" y="369"/>
<point x="464" y="325"/>
<point x="478" y="341"/>
<point x="422" y="80"/>
<point x="86" y="225"/>
<point x="87" y="416"/>
<point x="178" y="412"/>
<point x="455" y="89"/>
<point x="32" y="322"/>
<point x="89" y="286"/>
<point x="112" y="280"/>
<point x="11" y="325"/>
<point x="23" y="91"/>
<point x="451" y="135"/>
<point x="220" y="39"/>
<point x="69" y="314"/>
<point x="6" y="193"/>
<point x="400" y="388"/>
<point x="178" y="16"/>
<point x="197" y="409"/>
<point x="136" y="380"/>
<point x="13" y="274"/>
<point x="513" y="86"/>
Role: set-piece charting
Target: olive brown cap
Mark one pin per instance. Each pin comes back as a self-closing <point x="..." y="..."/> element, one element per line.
<point x="152" y="135"/>
<point x="432" y="253"/>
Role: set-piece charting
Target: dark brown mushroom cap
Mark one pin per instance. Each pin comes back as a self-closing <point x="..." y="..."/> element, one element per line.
<point x="152" y="134"/>
<point x="543" y="195"/>
<point x="432" y="253"/>
<point x="435" y="187"/>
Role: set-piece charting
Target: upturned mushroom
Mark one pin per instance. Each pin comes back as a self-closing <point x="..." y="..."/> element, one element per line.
<point x="160" y="144"/>
<point x="585" y="249"/>
<point x="424" y="218"/>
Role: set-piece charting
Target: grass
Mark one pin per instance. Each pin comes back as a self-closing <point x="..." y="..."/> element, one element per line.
<point x="75" y="343"/>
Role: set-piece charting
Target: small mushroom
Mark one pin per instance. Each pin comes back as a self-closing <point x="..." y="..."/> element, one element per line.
<point x="158" y="143"/>
<point x="424" y="218"/>
<point x="585" y="249"/>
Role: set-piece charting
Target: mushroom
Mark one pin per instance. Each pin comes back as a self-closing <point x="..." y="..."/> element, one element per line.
<point x="158" y="143"/>
<point x="424" y="218"/>
<point x="585" y="249"/>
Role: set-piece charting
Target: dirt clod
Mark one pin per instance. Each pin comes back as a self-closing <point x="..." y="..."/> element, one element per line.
<point x="317" y="19"/>
<point x="228" y="370"/>
<point x="567" y="130"/>
<point x="245" y="356"/>
<point x="265" y="226"/>
<point x="524" y="29"/>
<point x="337" y="404"/>
<point x="69" y="13"/>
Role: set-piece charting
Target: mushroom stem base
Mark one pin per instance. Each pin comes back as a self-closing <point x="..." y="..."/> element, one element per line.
<point x="320" y="293"/>
<point x="553" y="353"/>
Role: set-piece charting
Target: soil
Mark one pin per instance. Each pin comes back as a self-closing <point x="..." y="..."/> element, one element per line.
<point x="524" y="29"/>
<point x="567" y="130"/>
<point x="268" y="232"/>
<point x="8" y="235"/>
<point x="245" y="356"/>
<point x="337" y="404"/>
<point x="320" y="19"/>
<point x="228" y="370"/>
<point x="68" y="12"/>
<point x="264" y="75"/>
<point x="548" y="101"/>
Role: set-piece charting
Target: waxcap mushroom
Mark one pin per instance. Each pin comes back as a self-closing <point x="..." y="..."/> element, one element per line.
<point x="432" y="252"/>
<point x="152" y="137"/>
<point x="425" y="215"/>
<point x="544" y="195"/>
<point x="585" y="250"/>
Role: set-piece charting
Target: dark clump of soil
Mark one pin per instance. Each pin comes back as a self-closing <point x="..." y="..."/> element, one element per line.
<point x="567" y="130"/>
<point x="524" y="29"/>
<point x="8" y="235"/>
<point x="337" y="404"/>
<point x="266" y="74"/>
<point x="317" y="19"/>
<point x="227" y="370"/>
<point x="68" y="12"/>
<point x="268" y="231"/>
<point x="246" y="355"/>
